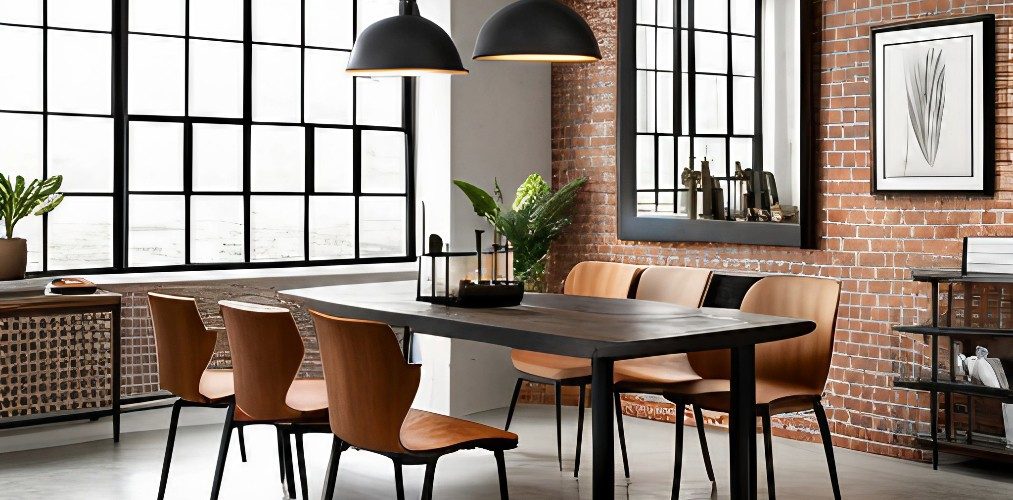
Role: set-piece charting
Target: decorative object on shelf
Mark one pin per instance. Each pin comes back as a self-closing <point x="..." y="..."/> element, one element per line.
<point x="72" y="286"/>
<point x="405" y="45"/>
<point x="466" y="292"/>
<point x="536" y="218"/>
<point x="988" y="255"/>
<point x="17" y="201"/>
<point x="691" y="179"/>
<point x="537" y="31"/>
<point x="933" y="105"/>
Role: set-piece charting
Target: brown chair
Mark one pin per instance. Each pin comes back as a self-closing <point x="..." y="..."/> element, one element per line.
<point x="684" y="286"/>
<point x="266" y="354"/>
<point x="590" y="279"/>
<point x="371" y="387"/>
<point x="790" y="374"/>
<point x="184" y="347"/>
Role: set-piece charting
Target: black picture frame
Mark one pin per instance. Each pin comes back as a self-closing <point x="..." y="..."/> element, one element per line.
<point x="986" y="87"/>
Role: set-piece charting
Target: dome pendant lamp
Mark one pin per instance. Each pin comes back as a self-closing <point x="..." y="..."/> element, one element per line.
<point x="537" y="31"/>
<point x="405" y="45"/>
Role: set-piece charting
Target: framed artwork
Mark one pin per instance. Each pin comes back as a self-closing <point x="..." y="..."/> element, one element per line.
<point x="933" y="106"/>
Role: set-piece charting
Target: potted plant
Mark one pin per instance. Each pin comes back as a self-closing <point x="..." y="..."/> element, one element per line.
<point x="17" y="201"/>
<point x="535" y="219"/>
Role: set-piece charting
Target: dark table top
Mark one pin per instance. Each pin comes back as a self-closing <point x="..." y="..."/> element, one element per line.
<point x="558" y="324"/>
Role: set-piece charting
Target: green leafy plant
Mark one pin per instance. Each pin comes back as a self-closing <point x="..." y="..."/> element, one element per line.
<point x="536" y="217"/>
<point x="18" y="200"/>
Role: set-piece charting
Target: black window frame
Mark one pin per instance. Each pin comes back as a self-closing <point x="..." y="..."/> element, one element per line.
<point x="121" y="120"/>
<point x="636" y="226"/>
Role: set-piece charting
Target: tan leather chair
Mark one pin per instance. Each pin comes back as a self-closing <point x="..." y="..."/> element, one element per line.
<point x="590" y="279"/>
<point x="266" y="354"/>
<point x="684" y="286"/>
<point x="184" y="346"/>
<point x="790" y="374"/>
<point x="371" y="388"/>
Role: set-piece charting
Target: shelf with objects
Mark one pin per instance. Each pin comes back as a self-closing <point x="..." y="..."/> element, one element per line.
<point x="972" y="323"/>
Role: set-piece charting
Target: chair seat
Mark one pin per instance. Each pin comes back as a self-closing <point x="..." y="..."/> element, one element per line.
<point x="655" y="373"/>
<point x="307" y="395"/>
<point x="714" y="394"/>
<point x="550" y="366"/>
<point x="425" y="432"/>
<point x="216" y="385"/>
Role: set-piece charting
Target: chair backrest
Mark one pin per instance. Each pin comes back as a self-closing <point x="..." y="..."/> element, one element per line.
<point x="183" y="344"/>
<point x="370" y="387"/>
<point x="684" y="286"/>
<point x="602" y="279"/>
<point x="726" y="291"/>
<point x="266" y="354"/>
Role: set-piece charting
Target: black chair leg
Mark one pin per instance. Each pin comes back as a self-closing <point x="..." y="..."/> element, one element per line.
<point x="513" y="403"/>
<point x="169" y="443"/>
<point x="399" y="479"/>
<point x="332" y="469"/>
<point x="504" y="493"/>
<point x="702" y="432"/>
<point x="768" y="452"/>
<point x="301" y="457"/>
<point x="622" y="434"/>
<point x="680" y="417"/>
<point x="559" y="424"/>
<point x="242" y="443"/>
<point x="427" y="486"/>
<point x="281" y="454"/>
<point x="828" y="447"/>
<point x="580" y="429"/>
<point x="223" y="452"/>
<point x="286" y="443"/>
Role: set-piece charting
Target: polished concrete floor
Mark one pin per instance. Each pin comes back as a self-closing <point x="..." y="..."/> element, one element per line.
<point x="130" y="470"/>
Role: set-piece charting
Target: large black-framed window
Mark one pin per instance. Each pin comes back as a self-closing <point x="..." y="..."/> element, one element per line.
<point x="206" y="134"/>
<point x="690" y="88"/>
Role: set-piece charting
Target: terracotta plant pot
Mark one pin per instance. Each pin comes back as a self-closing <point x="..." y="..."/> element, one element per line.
<point x="13" y="258"/>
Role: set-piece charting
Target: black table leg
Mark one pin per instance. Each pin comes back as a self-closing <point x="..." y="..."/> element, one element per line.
<point x="602" y="438"/>
<point x="117" y="376"/>
<point x="742" y="424"/>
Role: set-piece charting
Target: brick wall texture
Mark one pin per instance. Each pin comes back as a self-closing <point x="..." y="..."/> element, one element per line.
<point x="868" y="242"/>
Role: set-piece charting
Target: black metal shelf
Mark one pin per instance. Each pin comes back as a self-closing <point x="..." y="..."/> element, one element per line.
<point x="954" y="332"/>
<point x="977" y="448"/>
<point x="954" y="387"/>
<point x="956" y="275"/>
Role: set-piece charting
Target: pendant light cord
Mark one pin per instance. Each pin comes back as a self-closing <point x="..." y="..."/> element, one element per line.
<point x="409" y="8"/>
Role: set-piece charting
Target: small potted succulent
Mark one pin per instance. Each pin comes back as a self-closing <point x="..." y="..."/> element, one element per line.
<point x="17" y="201"/>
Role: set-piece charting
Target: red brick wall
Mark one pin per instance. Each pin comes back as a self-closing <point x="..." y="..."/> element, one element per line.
<point x="868" y="242"/>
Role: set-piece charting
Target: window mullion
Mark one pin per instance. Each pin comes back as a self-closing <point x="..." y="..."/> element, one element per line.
<point x="247" y="122"/>
<point x="121" y="131"/>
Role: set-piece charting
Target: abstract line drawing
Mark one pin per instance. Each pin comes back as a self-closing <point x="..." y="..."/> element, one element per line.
<point x="926" y="100"/>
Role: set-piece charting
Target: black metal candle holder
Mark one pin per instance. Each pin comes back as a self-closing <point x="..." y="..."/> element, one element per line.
<point x="470" y="293"/>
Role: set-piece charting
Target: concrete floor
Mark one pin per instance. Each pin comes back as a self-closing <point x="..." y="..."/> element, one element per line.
<point x="100" y="470"/>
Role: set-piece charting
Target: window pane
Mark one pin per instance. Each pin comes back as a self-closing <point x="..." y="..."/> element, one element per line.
<point x="684" y="103"/>
<point x="277" y="159"/>
<point x="276" y="225"/>
<point x="666" y="13"/>
<point x="278" y="21"/>
<point x="21" y="12"/>
<point x="743" y="55"/>
<point x="712" y="149"/>
<point x="328" y="88"/>
<point x="711" y="53"/>
<point x="645" y="47"/>
<point x="666" y="50"/>
<point x="84" y="14"/>
<point x="157" y="231"/>
<point x="156" y="156"/>
<point x="217" y="19"/>
<point x="81" y="149"/>
<point x="382" y="227"/>
<point x="216" y="79"/>
<point x="645" y="162"/>
<point x="742" y="100"/>
<point x="216" y="229"/>
<point x="711" y="104"/>
<point x="21" y="145"/>
<point x="744" y="16"/>
<point x="276" y="84"/>
<point x="383" y="162"/>
<point x="646" y="10"/>
<point x="81" y="233"/>
<point x="378" y="101"/>
<point x="666" y="162"/>
<point x="645" y="101"/>
<point x="79" y="72"/>
<point x="711" y="15"/>
<point x="156" y="75"/>
<point x="666" y="103"/>
<point x="371" y="11"/>
<point x="30" y="229"/>
<point x="333" y="158"/>
<point x="741" y="150"/>
<point x="332" y="227"/>
<point x="329" y="23"/>
<point x="21" y="68"/>
<point x="217" y="157"/>
<point x="158" y="16"/>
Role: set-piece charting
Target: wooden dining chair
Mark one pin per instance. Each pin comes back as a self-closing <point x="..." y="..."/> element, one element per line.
<point x="184" y="346"/>
<point x="790" y="374"/>
<point x="371" y="387"/>
<point x="590" y="279"/>
<point x="684" y="286"/>
<point x="266" y="354"/>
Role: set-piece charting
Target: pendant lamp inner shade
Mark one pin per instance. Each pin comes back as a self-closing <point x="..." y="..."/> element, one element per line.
<point x="538" y="31"/>
<point x="405" y="45"/>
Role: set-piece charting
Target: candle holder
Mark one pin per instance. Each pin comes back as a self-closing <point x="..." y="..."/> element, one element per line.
<point x="475" y="293"/>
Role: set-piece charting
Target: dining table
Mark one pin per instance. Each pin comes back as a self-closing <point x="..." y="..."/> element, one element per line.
<point x="602" y="330"/>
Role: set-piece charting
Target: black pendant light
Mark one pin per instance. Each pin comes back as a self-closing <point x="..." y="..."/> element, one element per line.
<point x="538" y="31"/>
<point x="405" y="45"/>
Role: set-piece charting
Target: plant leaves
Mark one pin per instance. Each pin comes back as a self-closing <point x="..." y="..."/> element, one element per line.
<point x="482" y="201"/>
